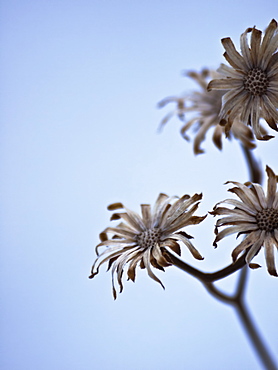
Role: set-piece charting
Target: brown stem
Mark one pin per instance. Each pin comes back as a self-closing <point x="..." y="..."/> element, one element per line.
<point x="255" y="171"/>
<point x="254" y="336"/>
<point x="205" y="277"/>
<point x="230" y="299"/>
<point x="237" y="301"/>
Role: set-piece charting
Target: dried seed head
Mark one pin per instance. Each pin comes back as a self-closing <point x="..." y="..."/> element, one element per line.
<point x="148" y="238"/>
<point x="267" y="219"/>
<point x="256" y="82"/>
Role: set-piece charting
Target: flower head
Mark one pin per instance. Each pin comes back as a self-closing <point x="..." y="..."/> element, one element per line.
<point x="251" y="83"/>
<point x="142" y="239"/>
<point x="207" y="106"/>
<point x="256" y="216"/>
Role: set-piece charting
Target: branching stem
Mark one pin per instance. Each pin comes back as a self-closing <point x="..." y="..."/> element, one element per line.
<point x="237" y="299"/>
<point x="205" y="277"/>
<point x="255" y="172"/>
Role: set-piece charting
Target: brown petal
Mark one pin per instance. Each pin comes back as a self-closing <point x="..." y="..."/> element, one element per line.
<point x="271" y="186"/>
<point x="115" y="216"/>
<point x="114" y="206"/>
<point x="176" y="247"/>
<point x="254" y="265"/>
<point x="103" y="236"/>
<point x="235" y="59"/>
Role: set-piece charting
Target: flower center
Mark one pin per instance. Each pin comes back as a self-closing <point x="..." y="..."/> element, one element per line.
<point x="148" y="238"/>
<point x="267" y="219"/>
<point x="256" y="82"/>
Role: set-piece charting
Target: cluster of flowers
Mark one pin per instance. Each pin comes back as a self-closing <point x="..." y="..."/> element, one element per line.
<point x="232" y="100"/>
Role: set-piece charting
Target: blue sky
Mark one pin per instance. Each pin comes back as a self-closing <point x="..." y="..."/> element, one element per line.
<point x="80" y="84"/>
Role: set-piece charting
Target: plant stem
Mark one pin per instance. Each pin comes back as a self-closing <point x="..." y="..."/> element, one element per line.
<point x="237" y="301"/>
<point x="253" y="335"/>
<point x="255" y="172"/>
<point x="205" y="276"/>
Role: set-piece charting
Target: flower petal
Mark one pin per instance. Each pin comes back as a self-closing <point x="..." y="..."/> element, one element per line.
<point x="269" y="256"/>
<point x="235" y="59"/>
<point x="246" y="243"/>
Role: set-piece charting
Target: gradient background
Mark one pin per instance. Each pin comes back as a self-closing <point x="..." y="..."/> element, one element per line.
<point x="80" y="81"/>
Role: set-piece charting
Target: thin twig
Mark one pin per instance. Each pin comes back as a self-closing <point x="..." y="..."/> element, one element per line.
<point x="255" y="171"/>
<point x="226" y="298"/>
<point x="237" y="301"/>
<point x="205" y="276"/>
<point x="242" y="282"/>
<point x="254" y="336"/>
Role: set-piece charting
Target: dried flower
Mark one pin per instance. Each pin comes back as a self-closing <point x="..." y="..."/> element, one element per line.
<point x="251" y="82"/>
<point x="207" y="106"/>
<point x="256" y="215"/>
<point x="141" y="239"/>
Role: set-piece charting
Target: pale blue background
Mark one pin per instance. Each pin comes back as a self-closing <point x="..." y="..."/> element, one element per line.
<point x="79" y="85"/>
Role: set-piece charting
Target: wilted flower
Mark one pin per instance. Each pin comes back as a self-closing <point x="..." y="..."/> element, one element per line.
<point x="207" y="106"/>
<point x="141" y="239"/>
<point x="251" y="82"/>
<point x="256" y="216"/>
